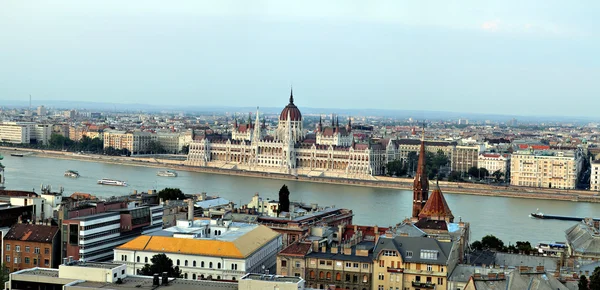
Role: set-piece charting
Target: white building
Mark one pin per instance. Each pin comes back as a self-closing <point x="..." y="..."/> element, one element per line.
<point x="15" y="132"/>
<point x="494" y="162"/>
<point x="595" y="176"/>
<point x="550" y="169"/>
<point x="41" y="111"/>
<point x="206" y="248"/>
<point x="173" y="142"/>
<point x="41" y="133"/>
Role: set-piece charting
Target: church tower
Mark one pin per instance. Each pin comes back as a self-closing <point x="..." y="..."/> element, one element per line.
<point x="421" y="183"/>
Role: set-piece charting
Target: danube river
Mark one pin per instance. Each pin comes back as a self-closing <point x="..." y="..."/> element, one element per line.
<point x="507" y="218"/>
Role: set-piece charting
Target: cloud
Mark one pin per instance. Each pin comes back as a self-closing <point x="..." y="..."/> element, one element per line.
<point x="493" y="25"/>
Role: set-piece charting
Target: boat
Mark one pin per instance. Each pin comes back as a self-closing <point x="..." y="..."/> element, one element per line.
<point x="551" y="248"/>
<point x="167" y="173"/>
<point x="71" y="173"/>
<point x="16" y="154"/>
<point x="540" y="215"/>
<point x="106" y="181"/>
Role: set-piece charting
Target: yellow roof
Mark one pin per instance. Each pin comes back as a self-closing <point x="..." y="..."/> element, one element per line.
<point x="240" y="248"/>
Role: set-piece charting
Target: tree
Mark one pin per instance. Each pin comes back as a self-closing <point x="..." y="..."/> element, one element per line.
<point x="583" y="283"/>
<point x="455" y="177"/>
<point x="498" y="175"/>
<point x="476" y="245"/>
<point x="171" y="194"/>
<point x="4" y="271"/>
<point x="185" y="149"/>
<point x="395" y="168"/>
<point x="595" y="279"/>
<point x="524" y="246"/>
<point x="161" y="263"/>
<point x="284" y="199"/>
<point x="155" y="147"/>
<point x="491" y="242"/>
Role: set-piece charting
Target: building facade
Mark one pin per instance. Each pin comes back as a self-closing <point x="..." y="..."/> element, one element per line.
<point x="289" y="150"/>
<point x="135" y="141"/>
<point x="550" y="169"/>
<point x="206" y="249"/>
<point x="595" y="176"/>
<point x="31" y="245"/>
<point x="494" y="162"/>
<point x="464" y="157"/>
<point x="15" y="132"/>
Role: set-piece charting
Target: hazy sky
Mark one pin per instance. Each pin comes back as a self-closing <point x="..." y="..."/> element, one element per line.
<point x="517" y="57"/>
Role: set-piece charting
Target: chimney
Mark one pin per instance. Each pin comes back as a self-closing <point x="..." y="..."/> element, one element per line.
<point x="376" y="230"/>
<point x="190" y="209"/>
<point x="334" y="250"/>
<point x="347" y="251"/>
<point x="165" y="278"/>
<point x="203" y="196"/>
<point x="70" y="259"/>
<point x="315" y="246"/>
<point x="155" y="281"/>
<point x="501" y="276"/>
<point x="323" y="249"/>
<point x="65" y="261"/>
<point x="539" y="269"/>
<point x="477" y="276"/>
<point x="491" y="276"/>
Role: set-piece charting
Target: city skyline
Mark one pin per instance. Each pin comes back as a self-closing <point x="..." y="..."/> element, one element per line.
<point x="497" y="58"/>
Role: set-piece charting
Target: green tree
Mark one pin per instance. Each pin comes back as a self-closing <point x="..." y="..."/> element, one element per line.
<point x="284" y="199"/>
<point x="395" y="168"/>
<point x="498" y="175"/>
<point x="595" y="279"/>
<point x="524" y="246"/>
<point x="171" y="194"/>
<point x="161" y="263"/>
<point x="185" y="149"/>
<point x="491" y="242"/>
<point x="477" y="245"/>
<point x="583" y="283"/>
<point x="155" y="147"/>
<point x="455" y="177"/>
<point x="4" y="271"/>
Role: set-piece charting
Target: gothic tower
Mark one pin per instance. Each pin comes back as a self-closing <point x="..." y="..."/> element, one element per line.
<point x="421" y="184"/>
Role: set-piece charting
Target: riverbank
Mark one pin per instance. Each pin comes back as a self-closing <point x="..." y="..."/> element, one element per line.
<point x="378" y="182"/>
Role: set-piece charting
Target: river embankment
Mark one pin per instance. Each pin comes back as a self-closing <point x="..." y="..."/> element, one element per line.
<point x="176" y="163"/>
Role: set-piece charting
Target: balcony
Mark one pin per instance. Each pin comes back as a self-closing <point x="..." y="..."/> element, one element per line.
<point x="395" y="270"/>
<point x="425" y="285"/>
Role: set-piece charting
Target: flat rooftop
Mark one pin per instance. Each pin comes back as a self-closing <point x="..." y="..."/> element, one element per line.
<point x="96" y="216"/>
<point x="38" y="272"/>
<point x="275" y="278"/>
<point x="140" y="282"/>
<point x="94" y="265"/>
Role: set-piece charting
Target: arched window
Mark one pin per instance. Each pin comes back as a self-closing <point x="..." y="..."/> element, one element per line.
<point x="233" y="278"/>
<point x="328" y="275"/>
<point x="138" y="259"/>
<point x="218" y="277"/>
<point x="186" y="263"/>
<point x="321" y="275"/>
<point x="312" y="274"/>
<point x="194" y="263"/>
<point x="338" y="277"/>
<point x="185" y="276"/>
<point x="210" y="265"/>
<point x="194" y="276"/>
<point x="218" y="265"/>
<point x="178" y="262"/>
<point x="347" y="277"/>
<point x="365" y="279"/>
<point x="146" y="260"/>
<point x="202" y="264"/>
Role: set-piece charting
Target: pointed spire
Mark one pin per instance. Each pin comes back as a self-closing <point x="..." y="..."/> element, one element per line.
<point x="423" y="134"/>
<point x="256" y="133"/>
<point x="421" y="183"/>
<point x="332" y="120"/>
<point x="291" y="95"/>
<point x="337" y="121"/>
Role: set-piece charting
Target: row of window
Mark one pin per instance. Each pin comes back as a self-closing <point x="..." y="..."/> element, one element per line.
<point x="27" y="260"/>
<point x="338" y="277"/>
<point x="99" y="225"/>
<point x="330" y="263"/>
<point x="36" y="250"/>
<point x="185" y="263"/>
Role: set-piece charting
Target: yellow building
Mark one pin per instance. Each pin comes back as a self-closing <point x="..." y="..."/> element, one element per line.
<point x="412" y="263"/>
<point x="550" y="169"/>
<point x="136" y="142"/>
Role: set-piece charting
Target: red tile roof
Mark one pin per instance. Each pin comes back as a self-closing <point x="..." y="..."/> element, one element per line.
<point x="297" y="249"/>
<point x="436" y="207"/>
<point x="16" y="193"/>
<point x="32" y="233"/>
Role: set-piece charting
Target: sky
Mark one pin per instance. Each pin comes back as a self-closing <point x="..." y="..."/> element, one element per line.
<point x="491" y="57"/>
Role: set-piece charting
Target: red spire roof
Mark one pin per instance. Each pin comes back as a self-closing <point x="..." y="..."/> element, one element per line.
<point x="421" y="183"/>
<point x="436" y="207"/>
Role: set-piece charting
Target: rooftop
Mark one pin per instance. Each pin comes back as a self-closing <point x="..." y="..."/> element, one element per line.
<point x="32" y="233"/>
<point x="275" y="278"/>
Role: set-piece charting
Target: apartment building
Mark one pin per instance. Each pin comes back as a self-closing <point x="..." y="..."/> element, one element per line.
<point x="595" y="176"/>
<point x="172" y="142"/>
<point x="15" y="132"/>
<point x="550" y="169"/>
<point x="135" y="141"/>
<point x="464" y="157"/>
<point x="31" y="245"/>
<point x="41" y="133"/>
<point x="494" y="162"/>
<point x="412" y="263"/>
<point x="217" y="249"/>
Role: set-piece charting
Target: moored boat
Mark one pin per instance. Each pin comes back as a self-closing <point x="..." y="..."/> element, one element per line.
<point x="167" y="173"/>
<point x="16" y="155"/>
<point x="71" y="173"/>
<point x="106" y="181"/>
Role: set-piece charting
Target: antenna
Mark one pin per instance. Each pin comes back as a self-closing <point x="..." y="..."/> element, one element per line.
<point x="29" y="102"/>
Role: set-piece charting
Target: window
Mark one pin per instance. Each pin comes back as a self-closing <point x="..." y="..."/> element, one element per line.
<point x="297" y="264"/>
<point x="202" y="264"/>
<point x="312" y="274"/>
<point x="283" y="264"/>
<point x="365" y="279"/>
<point x="115" y="275"/>
<point x="8" y="247"/>
<point x="328" y="275"/>
<point x="46" y="262"/>
<point x="146" y="260"/>
<point x="138" y="259"/>
<point x="210" y="265"/>
<point x="186" y="263"/>
<point x="381" y="263"/>
<point x="338" y="276"/>
<point x="380" y="287"/>
<point x="347" y="277"/>
<point x="321" y="262"/>
<point x="365" y="266"/>
<point x="46" y="251"/>
<point x="440" y="281"/>
<point x="194" y="276"/>
<point x="321" y="275"/>
<point x="355" y="265"/>
<point x="218" y="265"/>
<point x="354" y="278"/>
<point x="194" y="264"/>
<point x="7" y="258"/>
<point x="348" y="265"/>
<point x="185" y="276"/>
<point x="26" y="260"/>
<point x="409" y="254"/>
<point x="389" y="253"/>
<point x="429" y="268"/>
<point x="381" y="277"/>
<point x="26" y="249"/>
<point x="329" y="263"/>
<point x="35" y="261"/>
<point x="17" y="249"/>
<point x="36" y="250"/>
<point x="442" y="269"/>
<point x="178" y="262"/>
<point x="429" y="254"/>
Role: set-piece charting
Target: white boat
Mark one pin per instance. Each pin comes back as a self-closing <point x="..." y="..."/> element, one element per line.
<point x="106" y="181"/>
<point x="71" y="173"/>
<point x="167" y="173"/>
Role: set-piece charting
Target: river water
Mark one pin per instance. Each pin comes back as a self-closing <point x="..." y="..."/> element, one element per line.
<point x="506" y="218"/>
